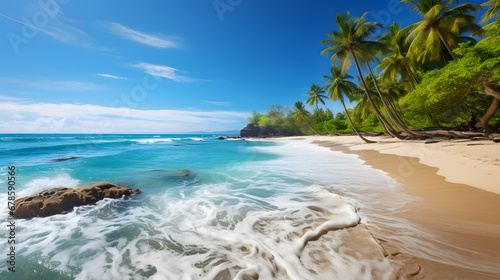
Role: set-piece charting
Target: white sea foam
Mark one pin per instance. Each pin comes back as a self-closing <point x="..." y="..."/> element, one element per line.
<point x="196" y="139"/>
<point x="154" y="141"/>
<point x="37" y="185"/>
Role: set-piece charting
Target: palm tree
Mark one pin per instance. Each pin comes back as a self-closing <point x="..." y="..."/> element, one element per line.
<point x="397" y="63"/>
<point x="493" y="12"/>
<point x="300" y="113"/>
<point x="372" y="92"/>
<point x="316" y="95"/>
<point x="338" y="85"/>
<point x="441" y="24"/>
<point x="398" y="124"/>
<point x="352" y="40"/>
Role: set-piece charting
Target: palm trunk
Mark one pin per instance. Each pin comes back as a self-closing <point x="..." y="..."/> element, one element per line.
<point x="321" y="117"/>
<point x="389" y="112"/>
<point x="397" y="113"/>
<point x="445" y="43"/>
<point x="483" y="122"/>
<point x="353" y="126"/>
<point x="310" y="126"/>
<point x="489" y="89"/>
<point x="383" y="122"/>
<point x="413" y="80"/>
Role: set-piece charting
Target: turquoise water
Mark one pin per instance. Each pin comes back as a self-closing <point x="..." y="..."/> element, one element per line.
<point x="123" y="159"/>
<point x="209" y="209"/>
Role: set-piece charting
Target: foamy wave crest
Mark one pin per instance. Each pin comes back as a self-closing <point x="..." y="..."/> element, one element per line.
<point x="37" y="185"/>
<point x="196" y="139"/>
<point x="154" y="141"/>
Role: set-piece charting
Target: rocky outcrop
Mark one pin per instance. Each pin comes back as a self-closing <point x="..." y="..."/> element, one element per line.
<point x="62" y="200"/>
<point x="256" y="131"/>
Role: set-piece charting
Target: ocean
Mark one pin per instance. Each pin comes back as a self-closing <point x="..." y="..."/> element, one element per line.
<point x="209" y="209"/>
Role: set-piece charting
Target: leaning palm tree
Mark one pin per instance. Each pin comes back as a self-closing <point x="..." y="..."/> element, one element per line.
<point x="352" y="40"/>
<point x="316" y="95"/>
<point x="394" y="119"/>
<point x="339" y="85"/>
<point x="441" y="25"/>
<point x="372" y="92"/>
<point x="300" y="114"/>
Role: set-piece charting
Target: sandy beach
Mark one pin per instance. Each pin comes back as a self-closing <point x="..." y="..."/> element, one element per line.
<point x="456" y="189"/>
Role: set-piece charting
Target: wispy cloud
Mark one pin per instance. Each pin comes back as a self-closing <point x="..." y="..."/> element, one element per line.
<point x="164" y="72"/>
<point x="143" y="38"/>
<point x="112" y="76"/>
<point x="218" y="102"/>
<point x="86" y="118"/>
<point x="8" y="98"/>
<point x="49" y="84"/>
<point x="60" y="31"/>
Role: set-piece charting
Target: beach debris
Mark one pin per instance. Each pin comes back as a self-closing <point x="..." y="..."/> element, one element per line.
<point x="496" y="139"/>
<point x="64" y="159"/>
<point x="62" y="200"/>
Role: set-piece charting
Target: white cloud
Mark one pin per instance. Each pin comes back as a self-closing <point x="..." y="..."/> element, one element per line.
<point x="163" y="72"/>
<point x="143" y="38"/>
<point x="74" y="118"/>
<point x="112" y="76"/>
<point x="60" y="31"/>
<point x="8" y="98"/>
<point x="218" y="102"/>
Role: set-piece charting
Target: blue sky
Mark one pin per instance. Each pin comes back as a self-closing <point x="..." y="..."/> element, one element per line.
<point x="162" y="66"/>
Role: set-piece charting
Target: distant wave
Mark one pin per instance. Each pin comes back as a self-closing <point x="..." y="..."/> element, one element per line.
<point x="154" y="141"/>
<point x="58" y="146"/>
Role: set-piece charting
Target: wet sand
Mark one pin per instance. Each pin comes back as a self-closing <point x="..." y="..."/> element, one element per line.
<point x="465" y="219"/>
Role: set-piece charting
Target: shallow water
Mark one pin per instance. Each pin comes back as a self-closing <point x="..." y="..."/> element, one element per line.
<point x="209" y="209"/>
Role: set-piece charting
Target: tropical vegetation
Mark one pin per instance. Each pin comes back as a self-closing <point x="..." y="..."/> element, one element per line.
<point x="439" y="74"/>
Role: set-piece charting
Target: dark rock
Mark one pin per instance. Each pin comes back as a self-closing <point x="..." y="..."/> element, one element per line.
<point x="63" y="159"/>
<point x="230" y="137"/>
<point x="256" y="131"/>
<point x="62" y="200"/>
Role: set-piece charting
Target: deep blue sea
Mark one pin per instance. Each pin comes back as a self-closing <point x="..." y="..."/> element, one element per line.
<point x="209" y="209"/>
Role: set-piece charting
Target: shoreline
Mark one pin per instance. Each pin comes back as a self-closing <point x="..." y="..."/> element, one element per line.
<point x="465" y="217"/>
<point x="473" y="163"/>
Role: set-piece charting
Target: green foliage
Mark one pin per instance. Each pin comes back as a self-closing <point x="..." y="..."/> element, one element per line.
<point x="442" y="94"/>
<point x="254" y="119"/>
<point x="368" y="123"/>
<point x="339" y="124"/>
